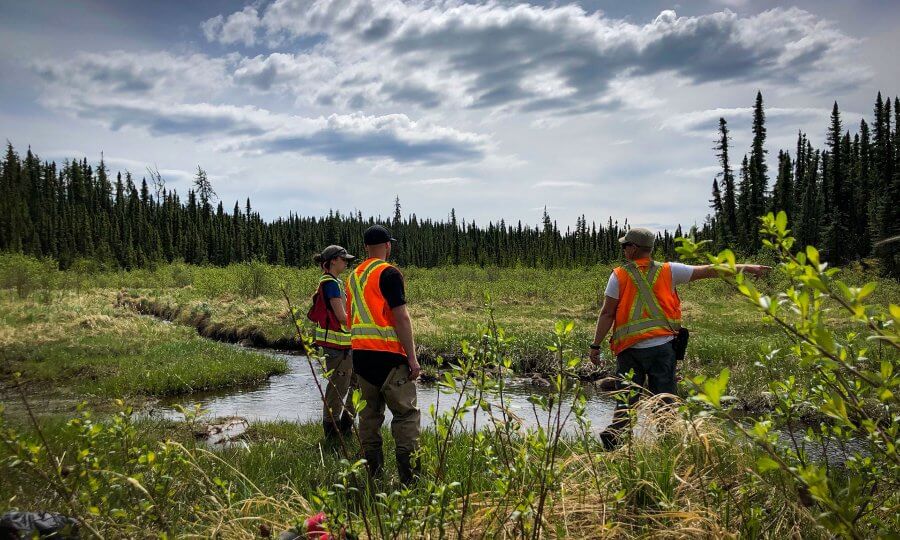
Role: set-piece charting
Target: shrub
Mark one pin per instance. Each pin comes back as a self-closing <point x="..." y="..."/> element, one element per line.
<point x="254" y="280"/>
<point x="27" y="274"/>
<point x="850" y="389"/>
<point x="182" y="274"/>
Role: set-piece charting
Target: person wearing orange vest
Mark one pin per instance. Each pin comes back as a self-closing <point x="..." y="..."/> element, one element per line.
<point x="644" y="312"/>
<point x="384" y="355"/>
<point x="334" y="338"/>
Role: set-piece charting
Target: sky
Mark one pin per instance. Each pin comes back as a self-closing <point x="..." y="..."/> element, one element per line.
<point x="496" y="109"/>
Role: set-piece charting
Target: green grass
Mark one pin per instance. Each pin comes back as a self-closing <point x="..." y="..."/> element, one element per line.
<point x="697" y="480"/>
<point x="685" y="484"/>
<point x="81" y="345"/>
<point x="447" y="305"/>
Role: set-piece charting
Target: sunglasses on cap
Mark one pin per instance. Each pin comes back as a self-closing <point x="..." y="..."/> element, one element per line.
<point x="626" y="244"/>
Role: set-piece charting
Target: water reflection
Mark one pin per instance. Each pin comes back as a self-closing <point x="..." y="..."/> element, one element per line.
<point x="293" y="397"/>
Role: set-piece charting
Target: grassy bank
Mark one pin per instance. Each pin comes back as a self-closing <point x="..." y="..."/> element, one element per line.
<point x="691" y="482"/>
<point x="448" y="305"/>
<point x="77" y="344"/>
<point x="699" y="469"/>
<point x="67" y="325"/>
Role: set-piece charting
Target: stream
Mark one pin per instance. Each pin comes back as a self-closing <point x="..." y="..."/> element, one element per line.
<point x="294" y="397"/>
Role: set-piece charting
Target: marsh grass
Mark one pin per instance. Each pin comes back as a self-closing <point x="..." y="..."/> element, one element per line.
<point x="82" y="344"/>
<point x="241" y="302"/>
<point x="692" y="480"/>
<point x="447" y="304"/>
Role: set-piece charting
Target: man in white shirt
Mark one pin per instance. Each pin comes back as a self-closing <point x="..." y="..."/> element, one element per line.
<point x="642" y="308"/>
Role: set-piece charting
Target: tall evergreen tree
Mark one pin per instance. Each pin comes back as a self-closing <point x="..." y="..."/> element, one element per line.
<point x="745" y="211"/>
<point x="729" y="202"/>
<point x="836" y="236"/>
<point x="783" y="192"/>
<point x="718" y="218"/>
<point x="757" y="169"/>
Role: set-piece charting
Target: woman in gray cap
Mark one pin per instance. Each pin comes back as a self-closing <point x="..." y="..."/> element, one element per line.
<point x="330" y="316"/>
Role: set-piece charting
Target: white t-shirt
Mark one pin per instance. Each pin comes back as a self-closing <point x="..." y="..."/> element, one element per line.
<point x="681" y="274"/>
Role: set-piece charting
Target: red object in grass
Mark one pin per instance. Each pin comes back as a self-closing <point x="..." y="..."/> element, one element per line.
<point x="314" y="528"/>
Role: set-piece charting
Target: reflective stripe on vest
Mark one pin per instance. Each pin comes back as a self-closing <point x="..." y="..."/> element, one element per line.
<point x="655" y="322"/>
<point x="365" y="332"/>
<point x="325" y="337"/>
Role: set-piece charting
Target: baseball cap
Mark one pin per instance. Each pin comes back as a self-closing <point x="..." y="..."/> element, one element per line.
<point x="333" y="252"/>
<point x="639" y="236"/>
<point x="376" y="234"/>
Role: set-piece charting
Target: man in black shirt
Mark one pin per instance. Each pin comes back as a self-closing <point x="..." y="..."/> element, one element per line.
<point x="377" y="364"/>
<point x="384" y="355"/>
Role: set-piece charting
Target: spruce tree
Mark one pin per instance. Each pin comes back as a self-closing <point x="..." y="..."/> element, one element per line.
<point x="746" y="218"/>
<point x="718" y="220"/>
<point x="836" y="236"/>
<point x="729" y="203"/>
<point x="757" y="169"/>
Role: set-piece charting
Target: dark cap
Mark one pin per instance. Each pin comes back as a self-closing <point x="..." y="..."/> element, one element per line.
<point x="333" y="252"/>
<point x="639" y="236"/>
<point x="376" y="234"/>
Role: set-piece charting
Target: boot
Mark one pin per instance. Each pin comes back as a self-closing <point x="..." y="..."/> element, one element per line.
<point x="332" y="431"/>
<point x="408" y="468"/>
<point x="374" y="462"/>
<point x="610" y="440"/>
<point x="345" y="424"/>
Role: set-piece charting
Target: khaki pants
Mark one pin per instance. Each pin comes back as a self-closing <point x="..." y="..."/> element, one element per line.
<point x="339" y="391"/>
<point x="399" y="394"/>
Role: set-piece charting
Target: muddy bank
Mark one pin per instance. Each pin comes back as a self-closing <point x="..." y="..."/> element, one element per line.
<point x="534" y="359"/>
<point x="250" y="335"/>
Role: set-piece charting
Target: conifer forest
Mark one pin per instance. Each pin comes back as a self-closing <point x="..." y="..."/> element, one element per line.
<point x="844" y="197"/>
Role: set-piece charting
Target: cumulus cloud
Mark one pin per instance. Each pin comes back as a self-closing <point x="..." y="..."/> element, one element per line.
<point x="239" y="27"/>
<point x="693" y="172"/>
<point x="284" y="69"/>
<point x="559" y="59"/>
<point x="337" y="138"/>
<point x="356" y="136"/>
<point x="706" y="122"/>
<point x="452" y="180"/>
<point x="157" y="93"/>
<point x="561" y="184"/>
<point x="135" y="75"/>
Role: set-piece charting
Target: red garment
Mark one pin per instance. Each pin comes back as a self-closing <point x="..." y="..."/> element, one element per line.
<point x="314" y="528"/>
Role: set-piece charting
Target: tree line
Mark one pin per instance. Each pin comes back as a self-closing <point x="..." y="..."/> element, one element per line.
<point x="844" y="197"/>
<point x="78" y="211"/>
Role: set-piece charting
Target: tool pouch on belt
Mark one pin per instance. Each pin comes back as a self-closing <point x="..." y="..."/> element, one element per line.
<point x="680" y="343"/>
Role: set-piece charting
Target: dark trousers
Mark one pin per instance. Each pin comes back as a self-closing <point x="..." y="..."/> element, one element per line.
<point x="653" y="369"/>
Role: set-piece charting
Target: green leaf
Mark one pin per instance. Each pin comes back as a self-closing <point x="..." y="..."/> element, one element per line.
<point x="781" y="221"/>
<point x="765" y="464"/>
<point x="727" y="257"/>
<point x="895" y="311"/>
<point x="866" y="290"/>
<point x="714" y="388"/>
<point x="812" y="254"/>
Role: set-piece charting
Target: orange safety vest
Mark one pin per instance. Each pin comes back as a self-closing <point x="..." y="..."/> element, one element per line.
<point x="371" y="320"/>
<point x="647" y="307"/>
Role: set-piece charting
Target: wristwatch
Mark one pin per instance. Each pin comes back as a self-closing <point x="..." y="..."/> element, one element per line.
<point x="595" y="347"/>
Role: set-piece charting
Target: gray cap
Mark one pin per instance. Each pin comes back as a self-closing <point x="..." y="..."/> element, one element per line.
<point x="333" y="252"/>
<point x="639" y="236"/>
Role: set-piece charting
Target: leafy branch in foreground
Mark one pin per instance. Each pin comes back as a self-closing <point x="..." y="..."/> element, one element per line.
<point x="845" y="463"/>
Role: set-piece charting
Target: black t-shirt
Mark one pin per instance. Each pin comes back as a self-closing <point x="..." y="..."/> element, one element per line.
<point x="391" y="285"/>
<point x="374" y="366"/>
